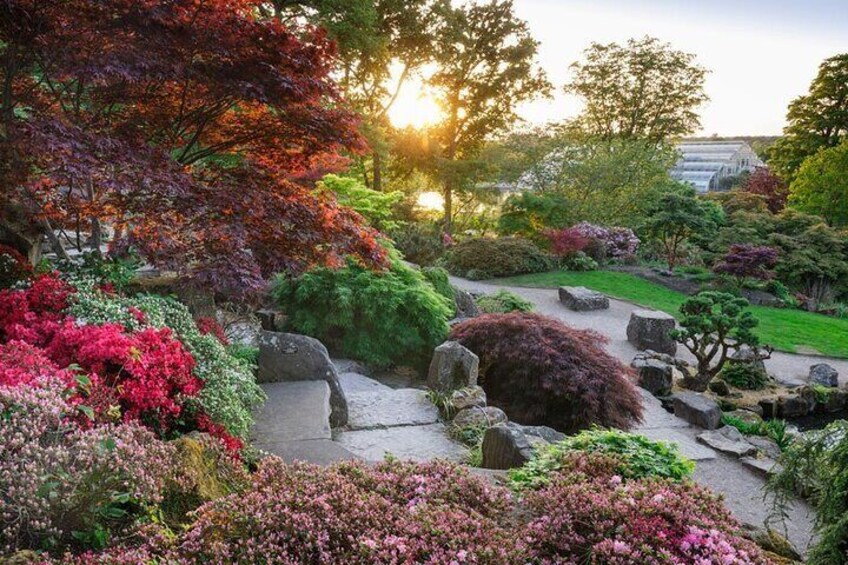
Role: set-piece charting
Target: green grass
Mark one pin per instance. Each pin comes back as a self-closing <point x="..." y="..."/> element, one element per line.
<point x="794" y="331"/>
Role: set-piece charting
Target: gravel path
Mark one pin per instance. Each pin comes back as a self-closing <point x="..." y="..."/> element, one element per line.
<point x="741" y="487"/>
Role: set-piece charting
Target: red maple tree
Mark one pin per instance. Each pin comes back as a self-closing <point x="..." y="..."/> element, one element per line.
<point x="194" y="128"/>
<point x="767" y="184"/>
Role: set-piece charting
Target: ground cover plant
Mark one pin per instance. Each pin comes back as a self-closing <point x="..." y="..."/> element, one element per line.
<point x="772" y="429"/>
<point x="380" y="317"/>
<point x="541" y="371"/>
<point x="785" y="329"/>
<point x="503" y="302"/>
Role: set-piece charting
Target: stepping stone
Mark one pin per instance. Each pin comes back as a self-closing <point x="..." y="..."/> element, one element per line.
<point x="381" y="409"/>
<point x="417" y="443"/>
<point x="648" y="329"/>
<point x="728" y="440"/>
<point x="355" y="382"/>
<point x="697" y="409"/>
<point x="655" y="416"/>
<point x="687" y="445"/>
<point x="764" y="466"/>
<point x="316" y="451"/>
<point x="294" y="411"/>
<point x="582" y="299"/>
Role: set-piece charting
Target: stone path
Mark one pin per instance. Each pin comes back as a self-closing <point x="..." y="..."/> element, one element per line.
<point x="741" y="486"/>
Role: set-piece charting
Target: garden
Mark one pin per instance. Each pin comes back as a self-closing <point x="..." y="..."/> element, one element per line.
<point x="183" y="179"/>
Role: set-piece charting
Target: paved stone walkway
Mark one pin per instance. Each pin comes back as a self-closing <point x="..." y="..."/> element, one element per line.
<point x="741" y="487"/>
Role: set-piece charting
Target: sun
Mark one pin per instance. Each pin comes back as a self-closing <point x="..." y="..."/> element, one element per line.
<point x="415" y="107"/>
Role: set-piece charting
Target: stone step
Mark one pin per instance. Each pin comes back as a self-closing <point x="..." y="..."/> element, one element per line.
<point x="353" y="382"/>
<point x="294" y="411"/>
<point x="416" y="443"/>
<point x="390" y="408"/>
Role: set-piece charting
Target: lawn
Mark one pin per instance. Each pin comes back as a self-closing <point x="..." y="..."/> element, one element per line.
<point x="793" y="331"/>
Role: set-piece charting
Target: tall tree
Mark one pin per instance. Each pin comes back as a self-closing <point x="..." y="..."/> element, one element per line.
<point x="486" y="65"/>
<point x="188" y="126"/>
<point x="821" y="185"/>
<point x="817" y="120"/>
<point x="644" y="89"/>
<point x="771" y="187"/>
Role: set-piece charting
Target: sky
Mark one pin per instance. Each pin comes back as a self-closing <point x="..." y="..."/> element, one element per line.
<point x="761" y="53"/>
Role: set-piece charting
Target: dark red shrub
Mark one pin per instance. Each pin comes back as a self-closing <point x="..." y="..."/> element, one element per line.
<point x="540" y="371"/>
<point x="748" y="261"/>
<point x="769" y="185"/>
<point x="566" y="242"/>
<point x="208" y="325"/>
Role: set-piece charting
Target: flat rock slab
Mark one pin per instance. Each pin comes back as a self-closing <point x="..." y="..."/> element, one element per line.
<point x="316" y="451"/>
<point x="298" y="410"/>
<point x="417" y="443"/>
<point x="764" y="466"/>
<point x="384" y="409"/>
<point x="582" y="299"/>
<point x="655" y="416"/>
<point x="728" y="440"/>
<point x="356" y="382"/>
<point x="687" y="444"/>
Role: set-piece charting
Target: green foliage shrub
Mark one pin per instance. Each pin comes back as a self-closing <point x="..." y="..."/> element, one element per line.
<point x="419" y="243"/>
<point x="488" y="257"/>
<point x="376" y="207"/>
<point x="382" y="318"/>
<point x="817" y="466"/>
<point x="636" y="457"/>
<point x="580" y="262"/>
<point x="93" y="265"/>
<point x="530" y="214"/>
<point x="772" y="429"/>
<point x="503" y="302"/>
<point x="438" y="277"/>
<point x="247" y="353"/>
<point x="746" y="376"/>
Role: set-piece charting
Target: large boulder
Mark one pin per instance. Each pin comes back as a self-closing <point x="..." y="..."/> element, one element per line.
<point x="292" y="357"/>
<point x="582" y="299"/>
<point x="479" y="416"/>
<point x="452" y="367"/>
<point x="824" y="375"/>
<point x="505" y="447"/>
<point x="697" y="409"/>
<point x="747" y="355"/>
<point x="655" y="376"/>
<point x="466" y="306"/>
<point x="649" y="329"/>
<point x="794" y="406"/>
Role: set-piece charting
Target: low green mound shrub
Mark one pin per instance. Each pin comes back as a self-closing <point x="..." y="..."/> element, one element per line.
<point x="746" y="376"/>
<point x="381" y="318"/>
<point x="541" y="371"/>
<point x="488" y="257"/>
<point x="817" y="467"/>
<point x="439" y="278"/>
<point x="503" y="302"/>
<point x="636" y="457"/>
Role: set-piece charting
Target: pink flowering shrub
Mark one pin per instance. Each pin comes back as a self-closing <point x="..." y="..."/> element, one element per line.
<point x="588" y="514"/>
<point x="210" y="326"/>
<point x="33" y="314"/>
<point x="63" y="486"/>
<point x="24" y="364"/>
<point x="614" y="243"/>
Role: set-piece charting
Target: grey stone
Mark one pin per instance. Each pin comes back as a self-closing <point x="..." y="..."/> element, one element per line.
<point x="293" y="411"/>
<point x="761" y="298"/>
<point x="747" y="355"/>
<point x="417" y="443"/>
<point x="727" y="440"/>
<point x="654" y="415"/>
<point x="316" y="451"/>
<point x="466" y="306"/>
<point x="649" y="329"/>
<point x="468" y="398"/>
<point x="769" y="407"/>
<point x="383" y="409"/>
<point x="505" y="447"/>
<point x="356" y="382"/>
<point x="550" y="435"/>
<point x="824" y="375"/>
<point x="836" y="401"/>
<point x="719" y="387"/>
<point x="582" y="299"/>
<point x="771" y="541"/>
<point x="761" y="465"/>
<point x="697" y="409"/>
<point x="292" y="357"/>
<point x="745" y="415"/>
<point x="270" y="320"/>
<point x="792" y="407"/>
<point x="479" y="416"/>
<point x="767" y="446"/>
<point x="755" y="408"/>
<point x="452" y="367"/>
<point x="655" y="376"/>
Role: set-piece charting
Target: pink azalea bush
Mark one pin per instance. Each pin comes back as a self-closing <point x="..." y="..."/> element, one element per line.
<point x="615" y="242"/>
<point x="62" y="485"/>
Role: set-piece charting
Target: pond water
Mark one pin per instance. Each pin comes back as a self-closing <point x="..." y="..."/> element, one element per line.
<point x="816" y="421"/>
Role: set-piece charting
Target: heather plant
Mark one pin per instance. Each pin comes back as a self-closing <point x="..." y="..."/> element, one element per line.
<point x="503" y="302"/>
<point x="713" y="325"/>
<point x="68" y="487"/>
<point x="635" y="456"/>
<point x="487" y="257"/>
<point x="590" y="514"/>
<point x="541" y="371"/>
<point x="380" y="317"/>
<point x="816" y="465"/>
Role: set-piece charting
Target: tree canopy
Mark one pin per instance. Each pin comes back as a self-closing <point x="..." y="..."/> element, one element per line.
<point x="644" y="89"/>
<point x="821" y="185"/>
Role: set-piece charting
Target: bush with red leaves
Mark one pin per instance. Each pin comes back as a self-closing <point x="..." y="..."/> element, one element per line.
<point x="14" y="267"/>
<point x="208" y="325"/>
<point x="542" y="372"/>
<point x="567" y="241"/>
<point x="748" y="261"/>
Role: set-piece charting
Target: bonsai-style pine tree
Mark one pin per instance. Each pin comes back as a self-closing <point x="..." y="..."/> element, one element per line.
<point x="714" y="325"/>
